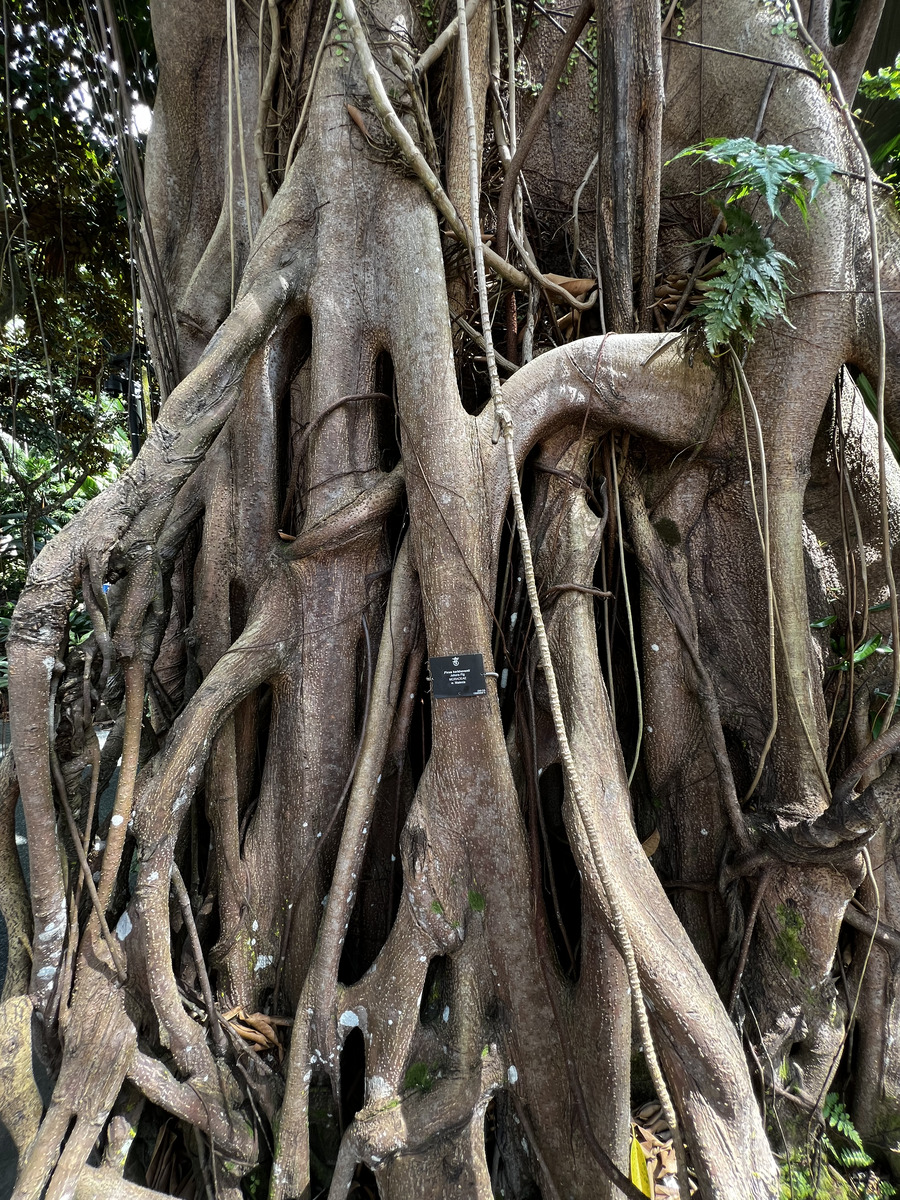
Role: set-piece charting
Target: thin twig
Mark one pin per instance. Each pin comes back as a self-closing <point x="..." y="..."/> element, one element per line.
<point x="184" y="902"/>
<point x="430" y="56"/>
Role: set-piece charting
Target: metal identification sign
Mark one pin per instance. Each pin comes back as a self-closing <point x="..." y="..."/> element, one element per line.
<point x="457" y="675"/>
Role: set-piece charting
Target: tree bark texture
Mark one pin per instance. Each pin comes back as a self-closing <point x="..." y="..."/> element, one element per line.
<point x="387" y="932"/>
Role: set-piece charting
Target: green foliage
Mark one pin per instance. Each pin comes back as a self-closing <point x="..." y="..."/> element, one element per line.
<point x="844" y="1147"/>
<point x="749" y="288"/>
<point x="418" y="1077"/>
<point x="882" y="140"/>
<point x="341" y="35"/>
<point x="477" y="902"/>
<point x="844" y="1173"/>
<point x="750" y="283"/>
<point x="66" y="273"/>
<point x="884" y="84"/>
<point x="429" y="16"/>
<point x="777" y="173"/>
<point x="823" y="622"/>
<point x="783" y="23"/>
<point x="873" y="645"/>
<point x="788" y="942"/>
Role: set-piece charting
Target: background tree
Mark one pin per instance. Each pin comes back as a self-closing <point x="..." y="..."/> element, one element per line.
<point x="337" y="924"/>
<point x="68" y="290"/>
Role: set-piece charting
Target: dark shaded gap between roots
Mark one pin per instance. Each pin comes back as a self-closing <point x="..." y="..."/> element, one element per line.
<point x="420" y="729"/>
<point x="289" y="415"/>
<point x="353" y="1076"/>
<point x="364" y="1185"/>
<point x="380" y="885"/>
<point x="387" y="422"/>
<point x="253" y="722"/>
<point x="437" y="994"/>
<point x="559" y="874"/>
<point x="506" y="1151"/>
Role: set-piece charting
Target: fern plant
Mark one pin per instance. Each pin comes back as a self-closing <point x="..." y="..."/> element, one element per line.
<point x="847" y="1150"/>
<point x="845" y="1171"/>
<point x="750" y="285"/>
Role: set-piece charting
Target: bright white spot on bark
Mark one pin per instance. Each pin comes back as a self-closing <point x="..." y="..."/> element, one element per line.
<point x="117" y="820"/>
<point x="153" y="876"/>
<point x="422" y="958"/>
<point x="318" y="835"/>
<point x="446" y="1016"/>
<point x="374" y="1158"/>
<point x="393" y="858"/>
<point x="124" y="927"/>
<point x="181" y="801"/>
<point x="255" y="926"/>
<point x="307" y="1077"/>
<point x="46" y="972"/>
<point x="99" y="844"/>
<point x="513" y="617"/>
<point x="365" y="829"/>
<point x="305" y="824"/>
<point x="524" y="1145"/>
<point x="253" y="941"/>
<point x="704" y="832"/>
<point x="263" y="961"/>
<point x="654" y="647"/>
<point x="649" y="728"/>
<point x="20" y="840"/>
<point x="512" y="1074"/>
<point x="378" y="780"/>
<point x="377" y="1088"/>
<point x="390" y="1022"/>
<point x="96" y="876"/>
<point x="348" y="1019"/>
<point x="324" y="900"/>
<point x="49" y="662"/>
<point x="504" y="675"/>
<point x="350" y="896"/>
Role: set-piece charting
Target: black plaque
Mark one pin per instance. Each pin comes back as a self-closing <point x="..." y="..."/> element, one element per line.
<point x="457" y="675"/>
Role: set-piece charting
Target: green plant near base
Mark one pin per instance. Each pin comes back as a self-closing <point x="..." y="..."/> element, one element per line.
<point x="419" y="1077"/>
<point x="749" y="285"/>
<point x="844" y="1173"/>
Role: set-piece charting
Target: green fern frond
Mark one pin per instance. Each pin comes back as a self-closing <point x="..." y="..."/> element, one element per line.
<point x="750" y="285"/>
<point x="777" y="173"/>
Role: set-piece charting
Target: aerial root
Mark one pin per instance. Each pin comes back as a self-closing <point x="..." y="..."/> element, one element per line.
<point x="14" y="903"/>
<point x="315" y="1030"/>
<point x="20" y="1101"/>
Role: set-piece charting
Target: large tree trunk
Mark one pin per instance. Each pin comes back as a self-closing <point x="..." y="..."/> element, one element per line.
<point x="316" y="870"/>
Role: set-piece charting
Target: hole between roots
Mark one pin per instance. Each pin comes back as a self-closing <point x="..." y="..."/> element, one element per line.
<point x="559" y="872"/>
<point x="353" y="1076"/>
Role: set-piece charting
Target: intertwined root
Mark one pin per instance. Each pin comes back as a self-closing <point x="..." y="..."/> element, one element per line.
<point x="308" y="608"/>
